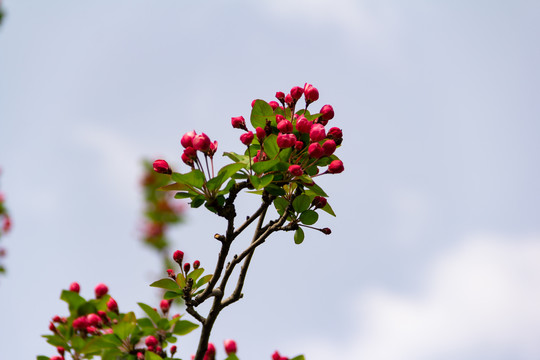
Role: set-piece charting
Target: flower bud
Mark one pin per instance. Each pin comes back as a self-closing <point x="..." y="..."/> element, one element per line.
<point x="101" y="290"/>
<point x="285" y="126"/>
<point x="80" y="323"/>
<point x="296" y="170"/>
<point x="201" y="142"/>
<point x="303" y="125"/>
<point x="230" y="346"/>
<point x="170" y="273"/>
<point x="211" y="350"/>
<point x="52" y="327"/>
<point x="273" y="104"/>
<point x="327" y="112"/>
<point x="187" y="160"/>
<point x="298" y="145"/>
<point x="280" y="96"/>
<point x="75" y="287"/>
<point x="60" y="350"/>
<point x="187" y="139"/>
<point x="285" y="141"/>
<point x="213" y="149"/>
<point x="253" y="102"/>
<point x="57" y="319"/>
<point x="186" y="267"/>
<point x="335" y="133"/>
<point x="162" y="167"/>
<point x="315" y="150"/>
<point x="296" y="92"/>
<point x="317" y="133"/>
<point x="261" y="134"/>
<point x="239" y="123"/>
<point x="112" y="305"/>
<point x="247" y="138"/>
<point x="329" y="146"/>
<point x="165" y="305"/>
<point x="151" y="341"/>
<point x="178" y="256"/>
<point x="173" y="350"/>
<point x="289" y="100"/>
<point x="326" y="231"/>
<point x="56" y="358"/>
<point x="190" y="152"/>
<point x="94" y="320"/>
<point x="196" y="264"/>
<point x="140" y="356"/>
<point x="336" y="167"/>
<point x="311" y="93"/>
<point x="7" y="224"/>
<point x="319" y="202"/>
<point x="279" y="118"/>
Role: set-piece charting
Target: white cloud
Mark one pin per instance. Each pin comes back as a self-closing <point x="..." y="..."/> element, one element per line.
<point x="479" y="299"/>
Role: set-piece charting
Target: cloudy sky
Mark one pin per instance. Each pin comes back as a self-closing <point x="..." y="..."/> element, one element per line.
<point x="434" y="253"/>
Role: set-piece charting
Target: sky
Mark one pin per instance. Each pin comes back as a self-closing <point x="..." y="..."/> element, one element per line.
<point x="434" y="251"/>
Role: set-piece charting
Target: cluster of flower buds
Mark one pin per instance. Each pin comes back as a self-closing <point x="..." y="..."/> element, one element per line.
<point x="193" y="143"/>
<point x="5" y="225"/>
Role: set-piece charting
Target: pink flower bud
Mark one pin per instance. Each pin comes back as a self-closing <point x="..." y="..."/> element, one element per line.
<point x="173" y="350"/>
<point x="187" y="160"/>
<point x="247" y="138"/>
<point x="190" y="152"/>
<point x="317" y="133"/>
<point x="326" y="231"/>
<point x="335" y="133"/>
<point x="112" y="305"/>
<point x="213" y="148"/>
<point x="101" y="290"/>
<point x="327" y="112"/>
<point x="57" y="319"/>
<point x="285" y="141"/>
<point x="91" y="330"/>
<point x="165" y="305"/>
<point x="239" y="123"/>
<point x="279" y="118"/>
<point x="170" y="273"/>
<point x="261" y="134"/>
<point x="162" y="167"/>
<point x="289" y="100"/>
<point x="253" y="102"/>
<point x="52" y="327"/>
<point x="230" y="346"/>
<point x="296" y="92"/>
<point x="311" y="93"/>
<point x="280" y="96"/>
<point x="315" y="150"/>
<point x="319" y="202"/>
<point x="80" y="323"/>
<point x="60" y="350"/>
<point x="336" y="167"/>
<point x="201" y="142"/>
<point x="329" y="146"/>
<point x="273" y="104"/>
<point x="285" y="126"/>
<point x="186" y="267"/>
<point x="75" y="287"/>
<point x="94" y="320"/>
<point x="303" y="125"/>
<point x="211" y="350"/>
<point x="151" y="341"/>
<point x="298" y="145"/>
<point x="140" y="356"/>
<point x="296" y="170"/>
<point x="196" y="264"/>
<point x="187" y="139"/>
<point x="56" y="358"/>
<point x="178" y="256"/>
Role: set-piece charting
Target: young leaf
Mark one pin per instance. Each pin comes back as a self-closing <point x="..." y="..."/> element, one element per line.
<point x="152" y="314"/>
<point x="255" y="181"/>
<point x="203" y="280"/>
<point x="315" y="190"/>
<point x="232" y="357"/>
<point x="171" y="295"/>
<point x="309" y="217"/>
<point x="149" y="355"/>
<point x="270" y="146"/>
<point x="263" y="166"/>
<point x="265" y="180"/>
<point x="73" y="299"/>
<point x="183" y="195"/>
<point x="181" y="280"/>
<point x="280" y="204"/>
<point x="123" y="329"/>
<point x="197" y="201"/>
<point x="260" y="113"/>
<point x="299" y="236"/>
<point x="299" y="357"/>
<point x="301" y="203"/>
<point x="328" y="209"/>
<point x="274" y="190"/>
<point x="194" y="178"/>
<point x="229" y="170"/>
<point x="167" y="284"/>
<point x="195" y="274"/>
<point x="184" y="327"/>
<point x="244" y="159"/>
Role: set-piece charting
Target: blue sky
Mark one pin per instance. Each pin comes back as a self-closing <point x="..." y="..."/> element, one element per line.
<point x="434" y="253"/>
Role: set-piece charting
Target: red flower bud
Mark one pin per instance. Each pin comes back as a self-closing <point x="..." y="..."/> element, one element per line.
<point x="162" y="167"/>
<point x="336" y="167"/>
<point x="187" y="139"/>
<point x="112" y="305"/>
<point x="56" y="358"/>
<point x="280" y="96"/>
<point x="170" y="273"/>
<point x="253" y="103"/>
<point x="173" y="350"/>
<point x="246" y="138"/>
<point x="211" y="350"/>
<point x="285" y="126"/>
<point x="60" y="350"/>
<point x="239" y="122"/>
<point x="329" y="146"/>
<point x="165" y="305"/>
<point x="75" y="287"/>
<point x="296" y="92"/>
<point x="201" y="142"/>
<point x="151" y="341"/>
<point x="315" y="150"/>
<point x="311" y="93"/>
<point x="91" y="330"/>
<point x="178" y="256"/>
<point x="289" y="100"/>
<point x="335" y="133"/>
<point x="186" y="267"/>
<point x="230" y="346"/>
<point x="213" y="148"/>
<point x="261" y="134"/>
<point x="52" y="327"/>
<point x="285" y="141"/>
<point x="94" y="320"/>
<point x="296" y="170"/>
<point x="298" y="145"/>
<point x="303" y="125"/>
<point x="101" y="290"/>
<point x="319" y="202"/>
<point x="326" y="231"/>
<point x="187" y="160"/>
<point x="57" y="319"/>
<point x="140" y="356"/>
<point x="273" y="104"/>
<point x="279" y="118"/>
<point x="80" y="323"/>
<point x="327" y="112"/>
<point x="317" y="133"/>
<point x="196" y="264"/>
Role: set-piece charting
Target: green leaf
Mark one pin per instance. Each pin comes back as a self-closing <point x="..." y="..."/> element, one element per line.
<point x="194" y="178"/>
<point x="306" y="179"/>
<point x="309" y="217"/>
<point x="167" y="284"/>
<point x="56" y="340"/>
<point x="301" y="203"/>
<point x="265" y="180"/>
<point x="227" y="188"/>
<point x="264" y="166"/>
<point x="171" y="295"/>
<point x="275" y="190"/>
<point x="328" y="209"/>
<point x="285" y="154"/>
<point x="255" y="181"/>
<point x="42" y="357"/>
<point x="152" y="314"/>
<point x="316" y="190"/>
<point x="145" y="323"/>
<point x="195" y="274"/>
<point x="232" y="357"/>
<point x="73" y="299"/>
<point x="270" y="146"/>
<point x="244" y="159"/>
<point x="229" y="170"/>
<point x="203" y="280"/>
<point x="197" y="201"/>
<point x="77" y="343"/>
<point x="280" y="205"/>
<point x="260" y="113"/>
<point x="149" y="355"/>
<point x="181" y="280"/>
<point x="299" y="236"/>
<point x="183" y="195"/>
<point x="184" y="327"/>
<point x="299" y="357"/>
